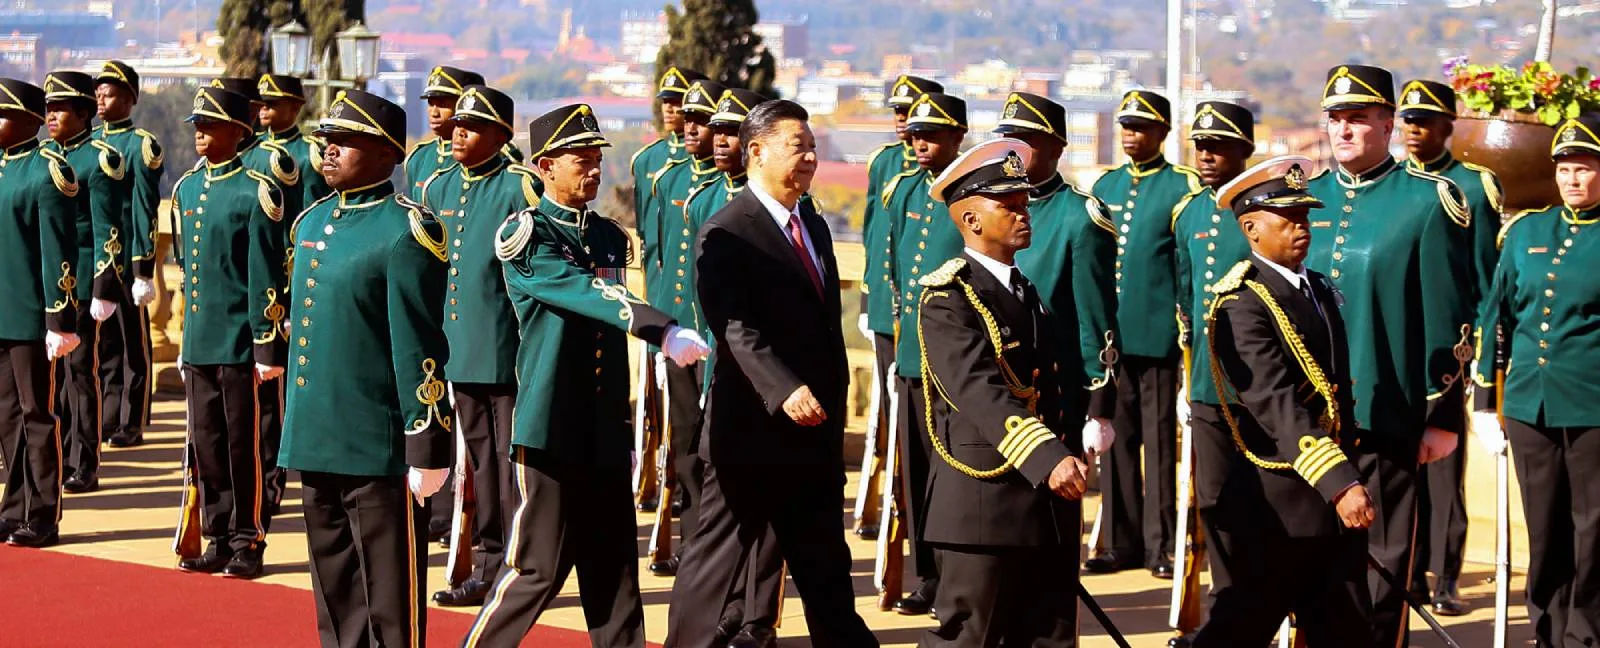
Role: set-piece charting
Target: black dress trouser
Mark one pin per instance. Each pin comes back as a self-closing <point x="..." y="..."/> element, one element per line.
<point x="1321" y="579"/>
<point x="78" y="394"/>
<point x="1441" y="519"/>
<point x="483" y="412"/>
<point x="914" y="452"/>
<point x="124" y="369"/>
<point x="1388" y="469"/>
<point x="225" y="433"/>
<point x="685" y="415"/>
<point x="1142" y="507"/>
<point x="1556" y="469"/>
<point x="368" y="560"/>
<point x="1214" y="457"/>
<point x="1016" y="596"/>
<point x="29" y="435"/>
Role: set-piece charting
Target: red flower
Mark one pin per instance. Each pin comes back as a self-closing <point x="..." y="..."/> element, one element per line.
<point x="1594" y="84"/>
<point x="1547" y="83"/>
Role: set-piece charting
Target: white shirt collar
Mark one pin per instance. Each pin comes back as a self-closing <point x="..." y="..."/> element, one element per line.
<point x="779" y="213"/>
<point x="999" y="269"/>
<point x="1294" y="278"/>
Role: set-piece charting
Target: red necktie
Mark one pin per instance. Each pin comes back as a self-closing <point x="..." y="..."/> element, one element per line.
<point x="798" y="240"/>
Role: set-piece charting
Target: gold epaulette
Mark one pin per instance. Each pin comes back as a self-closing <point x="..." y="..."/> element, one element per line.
<point x="1177" y="210"/>
<point x="418" y="146"/>
<point x="635" y="158"/>
<point x="889" y="187"/>
<point x="509" y="245"/>
<point x="1232" y="280"/>
<point x="429" y="182"/>
<point x="61" y="172"/>
<point x="1193" y="176"/>
<point x="510" y="150"/>
<point x="282" y="163"/>
<point x="655" y="176"/>
<point x="943" y="275"/>
<point x="528" y="177"/>
<point x="696" y="191"/>
<point x="314" y="147"/>
<point x="269" y="194"/>
<point x="1491" y="185"/>
<point x="149" y="148"/>
<point x="111" y="162"/>
<point x="1505" y="230"/>
<point x="873" y="157"/>
<point x="1450" y="196"/>
<point x="1095" y="207"/>
<point x="427" y="230"/>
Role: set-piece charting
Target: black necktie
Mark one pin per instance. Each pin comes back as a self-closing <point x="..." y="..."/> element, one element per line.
<point x="1021" y="287"/>
<point x="1305" y="289"/>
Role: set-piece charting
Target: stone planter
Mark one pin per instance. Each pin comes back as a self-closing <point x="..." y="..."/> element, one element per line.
<point x="1516" y="146"/>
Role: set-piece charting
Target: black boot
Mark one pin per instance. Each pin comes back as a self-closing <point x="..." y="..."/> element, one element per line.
<point x="246" y="564"/>
<point x="921" y="601"/>
<point x="215" y="559"/>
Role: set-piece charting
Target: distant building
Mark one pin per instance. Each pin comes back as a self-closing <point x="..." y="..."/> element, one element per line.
<point x="643" y="37"/>
<point x="787" y="40"/>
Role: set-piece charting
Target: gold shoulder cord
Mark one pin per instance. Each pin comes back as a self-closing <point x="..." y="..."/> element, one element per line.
<point x="1027" y="393"/>
<point x="1297" y="348"/>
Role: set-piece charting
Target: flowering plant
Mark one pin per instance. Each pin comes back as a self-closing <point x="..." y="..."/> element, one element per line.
<point x="1536" y="89"/>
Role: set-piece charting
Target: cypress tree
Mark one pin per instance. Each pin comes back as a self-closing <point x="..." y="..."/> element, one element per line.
<point x="717" y="37"/>
<point x="243" y="25"/>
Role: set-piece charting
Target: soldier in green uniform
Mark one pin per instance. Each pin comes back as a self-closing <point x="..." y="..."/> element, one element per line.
<point x="431" y="155"/>
<point x="471" y="198"/>
<point x="878" y="292"/>
<point x="923" y="235"/>
<point x="1540" y="370"/>
<point x="126" y="345"/>
<point x="248" y="88"/>
<point x="232" y="262"/>
<point x="1428" y="111"/>
<point x="367" y="421"/>
<point x="564" y="270"/>
<point x="102" y="261"/>
<point x="283" y="98"/>
<point x="1395" y="241"/>
<point x="1208" y="244"/>
<point x="1141" y="194"/>
<point x="37" y="210"/>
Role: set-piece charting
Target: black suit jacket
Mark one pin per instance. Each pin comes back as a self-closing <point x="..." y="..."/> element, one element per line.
<point x="773" y="334"/>
<point x="1279" y="415"/>
<point x="983" y="423"/>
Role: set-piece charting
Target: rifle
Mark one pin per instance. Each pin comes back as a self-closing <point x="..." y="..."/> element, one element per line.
<point x="889" y="568"/>
<point x="646" y="432"/>
<point x="187" y="542"/>
<point x="660" y="548"/>
<point x="463" y="518"/>
<point x="868" y="509"/>
<point x="1096" y="537"/>
<point x="1502" y="504"/>
<point x="1184" y="614"/>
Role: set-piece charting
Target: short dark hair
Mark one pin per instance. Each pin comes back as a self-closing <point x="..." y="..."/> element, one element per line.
<point x="764" y="117"/>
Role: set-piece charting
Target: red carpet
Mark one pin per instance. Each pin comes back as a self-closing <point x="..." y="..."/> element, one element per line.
<point x="51" y="599"/>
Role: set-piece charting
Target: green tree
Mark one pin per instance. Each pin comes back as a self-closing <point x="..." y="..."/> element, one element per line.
<point x="717" y="37"/>
<point x="243" y="26"/>
<point x="325" y="18"/>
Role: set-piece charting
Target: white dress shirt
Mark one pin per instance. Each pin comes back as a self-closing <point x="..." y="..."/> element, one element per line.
<point x="781" y="216"/>
<point x="999" y="269"/>
<point x="1296" y="278"/>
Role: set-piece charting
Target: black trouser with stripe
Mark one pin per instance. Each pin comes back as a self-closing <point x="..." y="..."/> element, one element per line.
<point x="913" y="458"/>
<point x="225" y="434"/>
<point x="1441" y="519"/>
<point x="1388" y="469"/>
<point x="569" y="516"/>
<point x="124" y="369"/>
<point x="685" y="415"/>
<point x="78" y="394"/>
<point x="29" y="436"/>
<point x="269" y="399"/>
<point x="483" y="412"/>
<point x="368" y="561"/>
<point x="1142" y="507"/>
<point x="1557" y="471"/>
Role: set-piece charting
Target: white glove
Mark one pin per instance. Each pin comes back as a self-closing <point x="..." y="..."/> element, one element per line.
<point x="1183" y="406"/>
<point x="102" y="310"/>
<point x="143" y="292"/>
<point x="182" y="377"/>
<point x="633" y="460"/>
<point x="1436" y="444"/>
<point x="1486" y="425"/>
<point x="1098" y="436"/>
<point x="684" y="346"/>
<point x="58" y="345"/>
<point x="661" y="370"/>
<point x="424" y="482"/>
<point x="861" y="325"/>
<point x="265" y="373"/>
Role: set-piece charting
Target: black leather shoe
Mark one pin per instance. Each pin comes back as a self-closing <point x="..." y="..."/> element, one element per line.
<point x="1162" y="569"/>
<point x="668" y="567"/>
<point x="471" y="592"/>
<point x="1447" y="602"/>
<point x="1109" y="563"/>
<point x="82" y="483"/>
<point x="246" y="564"/>
<point x="678" y="503"/>
<point x="646" y="506"/>
<point x="754" y="636"/>
<point x="215" y="559"/>
<point x="867" y="532"/>
<point x="126" y="440"/>
<point x="728" y="626"/>
<point x="438" y="530"/>
<point x="921" y="601"/>
<point x="34" y="535"/>
<point x="8" y="527"/>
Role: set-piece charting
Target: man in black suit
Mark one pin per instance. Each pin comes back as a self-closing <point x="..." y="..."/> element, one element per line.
<point x="774" y="435"/>
<point x="1295" y="514"/>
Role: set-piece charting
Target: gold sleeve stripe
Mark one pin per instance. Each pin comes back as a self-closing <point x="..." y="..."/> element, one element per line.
<point x="1317" y="457"/>
<point x="1023" y="436"/>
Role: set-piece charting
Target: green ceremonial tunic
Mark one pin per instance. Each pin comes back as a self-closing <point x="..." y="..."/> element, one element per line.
<point x="1068" y="262"/>
<point x="479" y="322"/>
<point x="272" y="159"/>
<point x="925" y="238"/>
<point x="306" y="152"/>
<point x="1484" y="196"/>
<point x="877" y="235"/>
<point x="102" y="257"/>
<point x="364" y="393"/>
<point x="704" y="202"/>
<point x="425" y="159"/>
<point x="1394" y="241"/>
<point x="1209" y="243"/>
<point x="1141" y="198"/>
<point x="141" y="188"/>
<point x="673" y="291"/>
<point x="38" y="193"/>
<point x="1544" y="299"/>
<point x="565" y="271"/>
<point x="644" y="166"/>
<point x="232" y="264"/>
